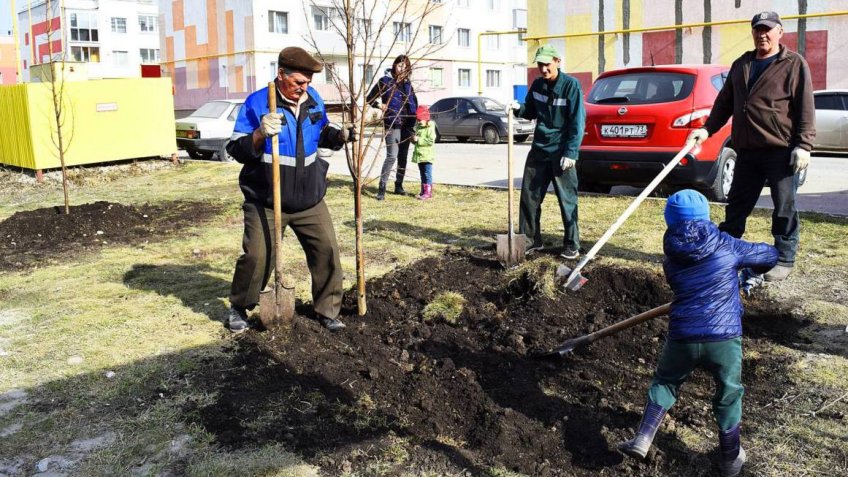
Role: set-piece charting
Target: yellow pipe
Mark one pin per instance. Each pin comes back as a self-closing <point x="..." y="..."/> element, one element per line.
<point x="480" y="53"/>
<point x="676" y="27"/>
<point x="17" y="43"/>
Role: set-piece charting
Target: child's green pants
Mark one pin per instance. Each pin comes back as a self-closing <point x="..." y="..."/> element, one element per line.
<point x="722" y="359"/>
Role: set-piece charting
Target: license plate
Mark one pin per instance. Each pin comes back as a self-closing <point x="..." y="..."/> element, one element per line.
<point x="624" y="130"/>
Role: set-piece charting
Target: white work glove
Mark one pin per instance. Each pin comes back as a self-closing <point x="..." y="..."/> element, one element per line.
<point x="698" y="135"/>
<point x="272" y="124"/>
<point x="566" y="163"/>
<point x="799" y="160"/>
<point x="515" y="106"/>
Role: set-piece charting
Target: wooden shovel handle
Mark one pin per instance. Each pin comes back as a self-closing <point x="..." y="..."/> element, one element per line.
<point x="278" y="229"/>
<point x="629" y="322"/>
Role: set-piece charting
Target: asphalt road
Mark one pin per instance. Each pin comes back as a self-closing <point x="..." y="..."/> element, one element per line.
<point x="825" y="191"/>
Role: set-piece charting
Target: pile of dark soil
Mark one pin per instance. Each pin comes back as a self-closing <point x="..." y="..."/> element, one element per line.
<point x="471" y="397"/>
<point x="40" y="236"/>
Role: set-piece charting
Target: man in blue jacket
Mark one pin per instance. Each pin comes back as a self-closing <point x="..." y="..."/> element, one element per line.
<point x="555" y="102"/>
<point x="705" y="327"/>
<point x="301" y="123"/>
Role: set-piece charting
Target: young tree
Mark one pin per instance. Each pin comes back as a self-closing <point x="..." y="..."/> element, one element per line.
<point x="62" y="135"/>
<point x="374" y="32"/>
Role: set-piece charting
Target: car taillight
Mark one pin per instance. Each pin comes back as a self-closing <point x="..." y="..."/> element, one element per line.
<point x="193" y="134"/>
<point x="695" y="119"/>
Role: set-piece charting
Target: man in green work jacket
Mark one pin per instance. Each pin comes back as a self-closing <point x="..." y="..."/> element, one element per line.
<point x="555" y="101"/>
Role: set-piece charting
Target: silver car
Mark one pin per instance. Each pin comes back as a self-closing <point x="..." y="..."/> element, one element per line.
<point x="831" y="120"/>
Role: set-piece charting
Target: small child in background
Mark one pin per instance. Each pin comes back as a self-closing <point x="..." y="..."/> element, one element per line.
<point x="424" y="139"/>
<point x="705" y="326"/>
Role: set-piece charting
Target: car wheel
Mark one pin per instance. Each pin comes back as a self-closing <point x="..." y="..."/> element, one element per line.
<point x="520" y="137"/>
<point x="222" y="154"/>
<point x="193" y="153"/>
<point x="462" y="138"/>
<point x="490" y="135"/>
<point x="724" y="176"/>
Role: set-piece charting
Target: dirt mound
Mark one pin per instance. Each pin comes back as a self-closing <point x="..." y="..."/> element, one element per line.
<point x="37" y="236"/>
<point x="470" y="397"/>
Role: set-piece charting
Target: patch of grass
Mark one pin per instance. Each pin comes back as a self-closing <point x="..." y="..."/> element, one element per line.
<point x="268" y="461"/>
<point x="536" y="278"/>
<point x="446" y="307"/>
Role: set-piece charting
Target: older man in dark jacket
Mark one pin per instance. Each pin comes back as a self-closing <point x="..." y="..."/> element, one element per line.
<point x="705" y="329"/>
<point x="769" y="95"/>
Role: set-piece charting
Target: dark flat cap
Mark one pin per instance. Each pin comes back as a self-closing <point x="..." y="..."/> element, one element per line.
<point x="769" y="19"/>
<point x="298" y="59"/>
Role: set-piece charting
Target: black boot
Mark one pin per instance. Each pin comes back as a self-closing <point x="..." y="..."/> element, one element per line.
<point x="651" y="420"/>
<point x="381" y="192"/>
<point x="399" y="188"/>
<point x="732" y="454"/>
<point x="237" y="320"/>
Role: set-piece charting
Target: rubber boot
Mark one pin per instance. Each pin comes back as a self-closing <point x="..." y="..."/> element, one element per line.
<point x="732" y="454"/>
<point x="420" y="196"/>
<point x="426" y="193"/>
<point x="381" y="192"/>
<point x="399" y="190"/>
<point x="429" y="191"/>
<point x="639" y="445"/>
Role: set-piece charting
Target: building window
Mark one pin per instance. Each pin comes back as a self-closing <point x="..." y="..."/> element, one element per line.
<point x="90" y="54"/>
<point x="493" y="42"/>
<point x="120" y="58"/>
<point x="278" y="22"/>
<point x="367" y="73"/>
<point x="321" y="18"/>
<point x="437" y="77"/>
<point x="119" y="25"/>
<point x="147" y="23"/>
<point x="149" y="56"/>
<point x="435" y="34"/>
<point x="84" y="27"/>
<point x="464" y="78"/>
<point x="364" y="27"/>
<point x="329" y="72"/>
<point x="273" y="69"/>
<point x="493" y="79"/>
<point x="463" y="36"/>
<point x="403" y="31"/>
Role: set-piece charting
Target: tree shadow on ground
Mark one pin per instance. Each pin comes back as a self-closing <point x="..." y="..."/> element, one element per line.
<point x="194" y="285"/>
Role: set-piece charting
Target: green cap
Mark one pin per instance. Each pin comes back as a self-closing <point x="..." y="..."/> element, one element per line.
<point x="546" y="54"/>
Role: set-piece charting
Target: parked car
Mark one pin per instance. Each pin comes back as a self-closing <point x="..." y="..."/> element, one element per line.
<point x="638" y="119"/>
<point x="206" y="131"/>
<point x="476" y="117"/>
<point x="831" y="120"/>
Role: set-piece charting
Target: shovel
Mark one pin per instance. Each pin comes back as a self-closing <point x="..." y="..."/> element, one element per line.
<point x="570" y="345"/>
<point x="278" y="307"/>
<point x="511" y="246"/>
<point x="575" y="280"/>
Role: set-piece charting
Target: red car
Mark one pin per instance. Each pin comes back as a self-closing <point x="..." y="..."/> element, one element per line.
<point x="638" y="119"/>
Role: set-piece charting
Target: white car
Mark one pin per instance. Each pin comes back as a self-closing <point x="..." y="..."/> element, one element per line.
<point x="831" y="120"/>
<point x="206" y="131"/>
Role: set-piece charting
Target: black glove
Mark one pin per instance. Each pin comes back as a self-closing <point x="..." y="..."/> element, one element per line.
<point x="332" y="137"/>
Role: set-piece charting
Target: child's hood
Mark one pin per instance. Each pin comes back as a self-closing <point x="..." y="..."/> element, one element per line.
<point x="691" y="240"/>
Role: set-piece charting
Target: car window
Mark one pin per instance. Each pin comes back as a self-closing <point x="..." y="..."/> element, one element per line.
<point x="463" y="106"/>
<point x="641" y="88"/>
<point x="234" y="113"/>
<point x="829" y="101"/>
<point x="488" y="105"/>
<point x="718" y="80"/>
<point x="444" y="106"/>
<point x="212" y="109"/>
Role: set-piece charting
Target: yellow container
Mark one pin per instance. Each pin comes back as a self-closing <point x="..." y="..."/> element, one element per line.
<point x="104" y="120"/>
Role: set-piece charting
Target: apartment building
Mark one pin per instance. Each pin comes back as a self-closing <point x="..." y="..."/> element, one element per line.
<point x="229" y="49"/>
<point x="114" y="37"/>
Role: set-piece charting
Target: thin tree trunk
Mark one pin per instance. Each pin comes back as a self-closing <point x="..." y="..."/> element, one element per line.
<point x="57" y="102"/>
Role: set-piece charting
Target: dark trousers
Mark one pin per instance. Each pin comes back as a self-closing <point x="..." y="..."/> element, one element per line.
<point x="722" y="359"/>
<point x="426" y="170"/>
<point x="753" y="168"/>
<point x="397" y="149"/>
<point x="538" y="175"/>
<point x="314" y="230"/>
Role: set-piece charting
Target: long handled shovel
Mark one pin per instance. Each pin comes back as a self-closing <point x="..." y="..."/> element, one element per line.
<point x="575" y="280"/>
<point x="279" y="308"/>
<point x="511" y="246"/>
<point x="572" y="344"/>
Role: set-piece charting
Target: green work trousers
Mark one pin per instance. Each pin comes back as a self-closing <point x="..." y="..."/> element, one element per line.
<point x="538" y="175"/>
<point x="314" y="229"/>
<point x="722" y="359"/>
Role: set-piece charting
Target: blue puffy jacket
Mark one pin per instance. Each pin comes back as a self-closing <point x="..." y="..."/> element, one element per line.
<point x="400" y="101"/>
<point x="702" y="266"/>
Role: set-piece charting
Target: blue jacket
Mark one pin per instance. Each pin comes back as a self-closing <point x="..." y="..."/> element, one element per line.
<point x="303" y="175"/>
<point x="702" y="266"/>
<point x="400" y="101"/>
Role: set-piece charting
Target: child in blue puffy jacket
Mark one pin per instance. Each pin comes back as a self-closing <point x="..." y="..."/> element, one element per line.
<point x="705" y="327"/>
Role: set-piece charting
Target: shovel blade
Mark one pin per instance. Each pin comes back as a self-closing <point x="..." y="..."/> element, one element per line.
<point x="563" y="349"/>
<point x="571" y="281"/>
<point x="269" y="314"/>
<point x="513" y="255"/>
